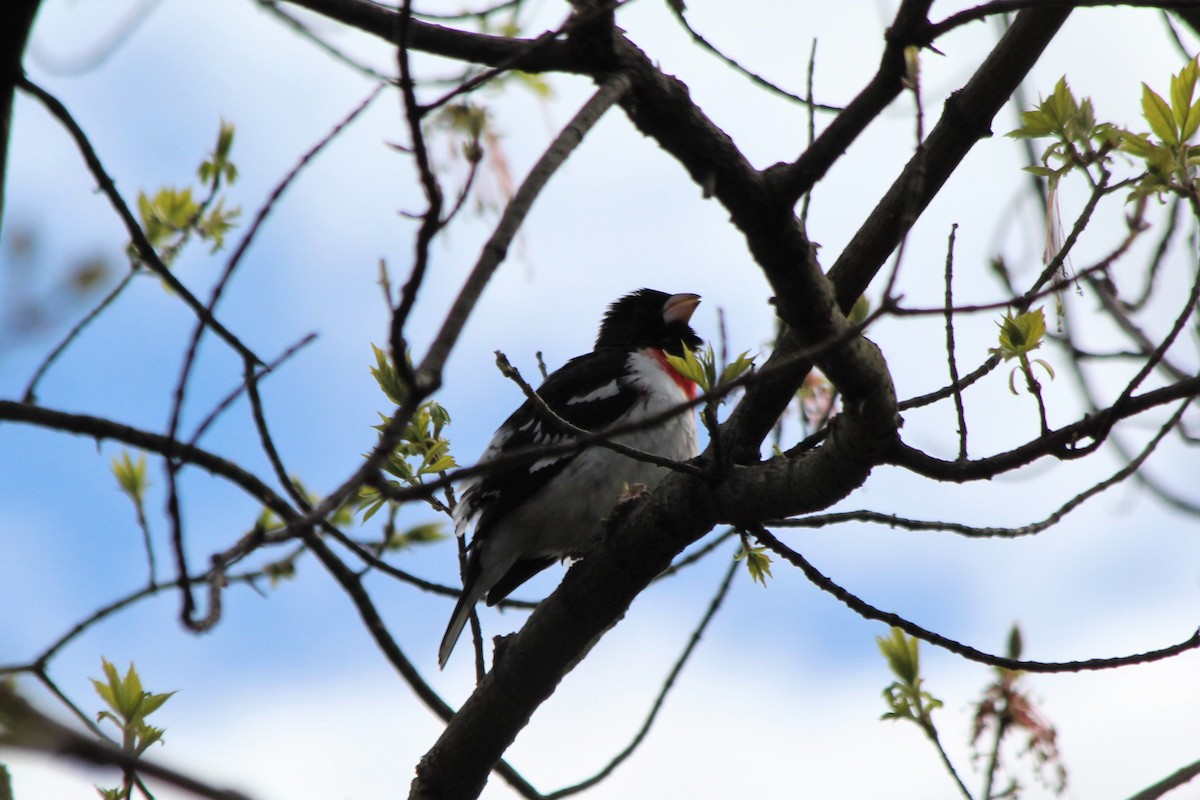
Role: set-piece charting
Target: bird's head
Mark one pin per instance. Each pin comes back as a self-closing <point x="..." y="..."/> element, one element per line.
<point x="648" y="318"/>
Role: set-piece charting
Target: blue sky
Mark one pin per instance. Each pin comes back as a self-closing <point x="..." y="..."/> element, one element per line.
<point x="287" y="697"/>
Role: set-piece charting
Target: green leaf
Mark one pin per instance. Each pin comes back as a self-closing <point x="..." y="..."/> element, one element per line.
<point x="216" y="223"/>
<point x="1192" y="122"/>
<point x="1061" y="104"/>
<point x="218" y="165"/>
<point x="905" y="698"/>
<point x="1020" y="334"/>
<point x="467" y="119"/>
<point x="1014" y="643"/>
<point x="1044" y="365"/>
<point x="130" y="694"/>
<point x="859" y="311"/>
<point x="698" y="369"/>
<point x="736" y="368"/>
<point x="427" y="533"/>
<point x="1044" y="172"/>
<point x="224" y="140"/>
<point x="535" y="83"/>
<point x="1135" y="144"/>
<point x="131" y="475"/>
<point x="758" y="563"/>
<point x="278" y="571"/>
<point x="443" y="463"/>
<point x="153" y="702"/>
<point x="903" y="657"/>
<point x="126" y="697"/>
<point x="1158" y="114"/>
<point x="385" y="375"/>
<point x="1183" y="87"/>
<point x="146" y="736"/>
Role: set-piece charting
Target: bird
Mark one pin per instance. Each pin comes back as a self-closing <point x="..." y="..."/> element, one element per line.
<point x="551" y="507"/>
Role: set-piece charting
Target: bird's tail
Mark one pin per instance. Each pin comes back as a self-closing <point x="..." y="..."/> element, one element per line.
<point x="462" y="611"/>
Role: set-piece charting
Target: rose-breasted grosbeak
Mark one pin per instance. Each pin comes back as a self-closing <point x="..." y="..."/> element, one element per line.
<point x="529" y="515"/>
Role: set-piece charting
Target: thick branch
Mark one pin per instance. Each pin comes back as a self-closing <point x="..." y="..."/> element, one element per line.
<point x="965" y="120"/>
<point x="98" y="428"/>
<point x="531" y="55"/>
<point x="598" y="590"/>
<point x="1061" y="443"/>
<point x="21" y="725"/>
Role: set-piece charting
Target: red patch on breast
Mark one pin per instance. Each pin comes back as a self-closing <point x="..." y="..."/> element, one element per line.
<point x="689" y="386"/>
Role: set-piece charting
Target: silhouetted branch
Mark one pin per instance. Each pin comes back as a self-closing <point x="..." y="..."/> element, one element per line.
<point x="867" y="611"/>
<point x="1167" y="784"/>
<point x="713" y="606"/>
<point x="145" y="251"/>
<point x="21" y="725"/>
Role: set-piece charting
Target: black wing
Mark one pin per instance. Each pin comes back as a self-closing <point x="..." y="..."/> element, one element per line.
<point x="588" y="393"/>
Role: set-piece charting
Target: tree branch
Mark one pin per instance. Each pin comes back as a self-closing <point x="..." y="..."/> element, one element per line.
<point x="476" y="48"/>
<point x="21" y="725"/>
<point x="966" y="119"/>
<point x="868" y="611"/>
<point x="1062" y="443"/>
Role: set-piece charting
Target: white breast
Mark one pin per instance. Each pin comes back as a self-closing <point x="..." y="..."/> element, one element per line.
<point x="566" y="517"/>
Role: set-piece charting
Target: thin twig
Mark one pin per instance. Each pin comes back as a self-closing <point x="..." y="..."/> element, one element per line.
<point x="811" y="128"/>
<point x="514" y="213"/>
<point x="677" y="8"/>
<point x="1172" y="781"/>
<point x="616" y="761"/>
<point x="891" y="520"/>
<point x="938" y="29"/>
<point x="306" y="32"/>
<point x="868" y="611"/>
<point x="30" y="393"/>
<point x="99" y="428"/>
<point x="352" y="585"/>
<point x="951" y="360"/>
<point x="145" y="251"/>
<point x="431" y="220"/>
<point x="171" y="466"/>
<point x="236" y="392"/>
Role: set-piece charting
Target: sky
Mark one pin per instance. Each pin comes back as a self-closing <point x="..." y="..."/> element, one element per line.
<point x="287" y="697"/>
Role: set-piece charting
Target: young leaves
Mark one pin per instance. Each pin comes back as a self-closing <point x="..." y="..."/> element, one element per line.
<point x="1019" y="336"/>
<point x="758" y="563"/>
<point x="904" y="697"/>
<point x="701" y="367"/>
<point x="422" y="449"/>
<point x="1169" y="160"/>
<point x="173" y="214"/>
<point x="129" y="706"/>
<point x="131" y="476"/>
<point x="218" y="166"/>
<point x="1080" y="141"/>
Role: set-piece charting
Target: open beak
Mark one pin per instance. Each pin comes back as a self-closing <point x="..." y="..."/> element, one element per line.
<point x="679" y="307"/>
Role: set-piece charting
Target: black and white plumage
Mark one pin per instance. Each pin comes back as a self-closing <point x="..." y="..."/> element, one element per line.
<point x="530" y="515"/>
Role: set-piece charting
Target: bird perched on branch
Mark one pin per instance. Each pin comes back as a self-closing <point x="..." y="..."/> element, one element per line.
<point x="530" y="514"/>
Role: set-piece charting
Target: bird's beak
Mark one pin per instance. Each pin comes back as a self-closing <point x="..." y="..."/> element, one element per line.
<point x="679" y="307"/>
